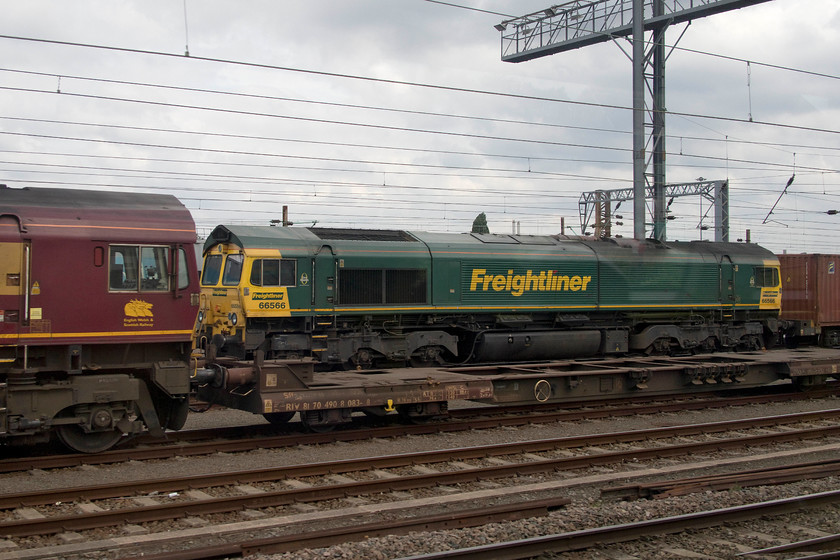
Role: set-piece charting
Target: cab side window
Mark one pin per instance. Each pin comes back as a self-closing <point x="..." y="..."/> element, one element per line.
<point x="183" y="270"/>
<point x="274" y="272"/>
<point x="137" y="268"/>
<point x="154" y="271"/>
<point x="122" y="270"/>
<point x="766" y="277"/>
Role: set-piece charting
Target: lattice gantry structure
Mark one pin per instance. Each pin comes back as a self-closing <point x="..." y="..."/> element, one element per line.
<point x="576" y="24"/>
<point x="572" y="25"/>
<point x="596" y="207"/>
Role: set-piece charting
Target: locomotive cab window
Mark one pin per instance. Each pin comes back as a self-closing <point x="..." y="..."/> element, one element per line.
<point x="766" y="277"/>
<point x="134" y="268"/>
<point x="233" y="270"/>
<point x="274" y="272"/>
<point x="212" y="270"/>
<point x="183" y="270"/>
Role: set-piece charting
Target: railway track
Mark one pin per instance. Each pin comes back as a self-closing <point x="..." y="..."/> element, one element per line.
<point x="286" y="498"/>
<point x="601" y="536"/>
<point x="265" y="436"/>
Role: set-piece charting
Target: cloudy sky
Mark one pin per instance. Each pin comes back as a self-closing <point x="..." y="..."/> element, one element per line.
<point x="400" y="113"/>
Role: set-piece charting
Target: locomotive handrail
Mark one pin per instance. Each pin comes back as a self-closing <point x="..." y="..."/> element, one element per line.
<point x="21" y="227"/>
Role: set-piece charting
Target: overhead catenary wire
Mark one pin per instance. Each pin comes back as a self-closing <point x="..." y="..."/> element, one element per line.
<point x="316" y="120"/>
<point x="254" y="96"/>
<point x="479" y="118"/>
<point x="398" y="164"/>
<point x="397" y="82"/>
<point x="470" y="8"/>
<point x="148" y="173"/>
<point x="537" y="157"/>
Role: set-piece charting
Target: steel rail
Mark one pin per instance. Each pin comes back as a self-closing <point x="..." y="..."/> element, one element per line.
<point x="318" y="539"/>
<point x="587" y="538"/>
<point x="759" y="477"/>
<point x="28" y="527"/>
<point x="819" y="543"/>
<point x="104" y="491"/>
<point x="162" y="451"/>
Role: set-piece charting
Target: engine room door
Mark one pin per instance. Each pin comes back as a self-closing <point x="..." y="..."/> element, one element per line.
<point x="14" y="264"/>
<point x="325" y="287"/>
<point x="727" y="281"/>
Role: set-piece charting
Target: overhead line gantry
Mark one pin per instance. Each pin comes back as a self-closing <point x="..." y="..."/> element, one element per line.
<point x="576" y="24"/>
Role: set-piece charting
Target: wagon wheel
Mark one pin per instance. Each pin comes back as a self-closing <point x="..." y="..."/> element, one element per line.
<point x="173" y="413"/>
<point x="809" y="382"/>
<point x="75" y="438"/>
<point x="278" y="418"/>
<point x="313" y="421"/>
<point x="423" y="413"/>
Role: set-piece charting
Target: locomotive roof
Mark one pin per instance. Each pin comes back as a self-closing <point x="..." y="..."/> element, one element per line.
<point x="270" y="237"/>
<point x="138" y="217"/>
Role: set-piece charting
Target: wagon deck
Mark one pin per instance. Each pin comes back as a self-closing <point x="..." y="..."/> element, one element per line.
<point x="286" y="386"/>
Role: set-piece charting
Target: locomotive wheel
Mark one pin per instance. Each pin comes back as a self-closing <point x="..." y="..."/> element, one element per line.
<point x="661" y="347"/>
<point x="427" y="356"/>
<point x="362" y="359"/>
<point x="75" y="438"/>
<point x="278" y="418"/>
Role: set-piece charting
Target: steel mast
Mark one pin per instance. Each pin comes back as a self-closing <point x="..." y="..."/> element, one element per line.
<point x="579" y="23"/>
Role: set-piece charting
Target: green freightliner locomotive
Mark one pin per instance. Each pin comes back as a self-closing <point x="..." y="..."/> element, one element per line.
<point x="370" y="298"/>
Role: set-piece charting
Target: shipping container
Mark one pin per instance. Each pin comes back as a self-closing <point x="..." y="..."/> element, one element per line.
<point x="811" y="295"/>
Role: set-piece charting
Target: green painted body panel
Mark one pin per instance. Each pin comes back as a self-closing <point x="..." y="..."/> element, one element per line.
<point x="502" y="273"/>
<point x="511" y="273"/>
<point x="658" y="278"/>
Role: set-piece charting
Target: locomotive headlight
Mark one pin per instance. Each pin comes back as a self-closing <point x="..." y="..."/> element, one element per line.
<point x="199" y="320"/>
<point x="233" y="318"/>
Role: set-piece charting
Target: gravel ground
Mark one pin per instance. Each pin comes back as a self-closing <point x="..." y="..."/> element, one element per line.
<point x="590" y="513"/>
<point x="586" y="511"/>
<point x="58" y="478"/>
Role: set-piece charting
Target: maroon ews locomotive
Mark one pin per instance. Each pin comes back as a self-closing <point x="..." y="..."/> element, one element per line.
<point x="98" y="300"/>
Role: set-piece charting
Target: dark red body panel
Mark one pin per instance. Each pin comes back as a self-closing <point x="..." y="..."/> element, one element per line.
<point x="64" y="238"/>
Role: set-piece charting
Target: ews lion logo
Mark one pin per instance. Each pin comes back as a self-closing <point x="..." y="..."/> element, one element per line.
<point x="138" y="308"/>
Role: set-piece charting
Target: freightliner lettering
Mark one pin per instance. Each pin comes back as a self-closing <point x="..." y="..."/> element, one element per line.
<point x="517" y="284"/>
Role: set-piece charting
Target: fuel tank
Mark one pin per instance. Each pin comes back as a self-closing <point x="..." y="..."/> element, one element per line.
<point x="537" y="345"/>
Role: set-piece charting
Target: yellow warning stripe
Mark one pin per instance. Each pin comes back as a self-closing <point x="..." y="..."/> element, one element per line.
<point x="94" y="334"/>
